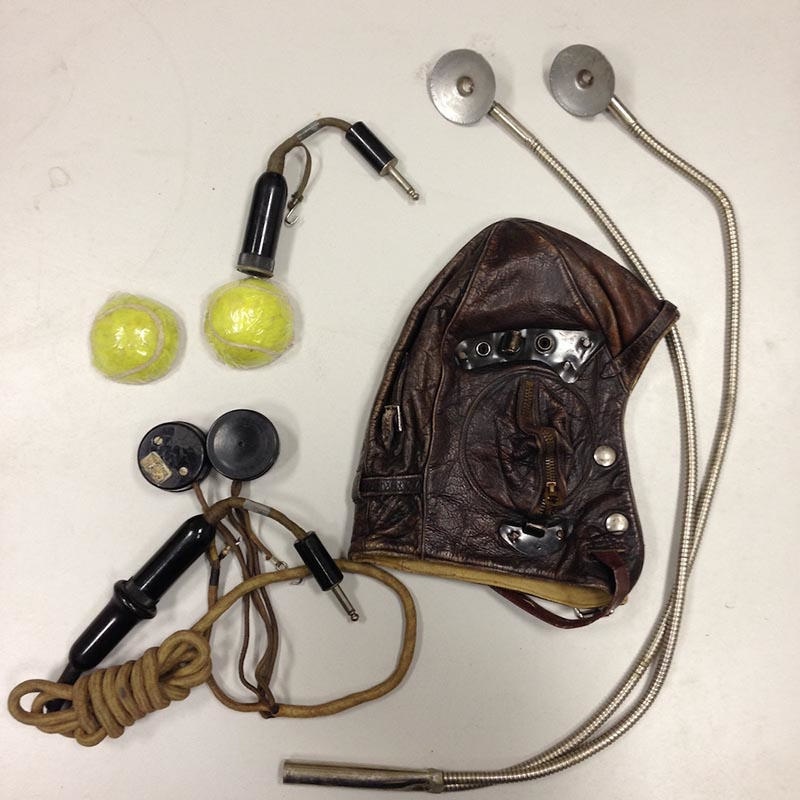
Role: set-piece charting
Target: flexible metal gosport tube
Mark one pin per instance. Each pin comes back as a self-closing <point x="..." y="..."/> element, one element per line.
<point x="657" y="655"/>
<point x="582" y="82"/>
<point x="730" y="235"/>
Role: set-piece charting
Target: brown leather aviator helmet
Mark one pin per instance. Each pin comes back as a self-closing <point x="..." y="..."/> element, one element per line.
<point x="495" y="451"/>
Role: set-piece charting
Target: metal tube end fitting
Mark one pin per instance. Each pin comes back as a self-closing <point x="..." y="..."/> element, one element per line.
<point x="355" y="776"/>
<point x="621" y="113"/>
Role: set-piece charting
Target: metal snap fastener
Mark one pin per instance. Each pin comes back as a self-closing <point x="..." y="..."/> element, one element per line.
<point x="605" y="455"/>
<point x="616" y="523"/>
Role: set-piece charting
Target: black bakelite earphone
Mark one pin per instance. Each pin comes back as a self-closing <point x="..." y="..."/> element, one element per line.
<point x="241" y="445"/>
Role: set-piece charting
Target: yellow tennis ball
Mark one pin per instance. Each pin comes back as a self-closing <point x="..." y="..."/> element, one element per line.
<point x="249" y="322"/>
<point x="134" y="339"/>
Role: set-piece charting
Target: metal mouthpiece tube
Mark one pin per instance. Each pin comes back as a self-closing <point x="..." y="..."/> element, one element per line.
<point x="354" y="776"/>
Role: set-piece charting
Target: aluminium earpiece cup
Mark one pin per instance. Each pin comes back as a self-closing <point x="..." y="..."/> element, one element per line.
<point x="582" y="80"/>
<point x="462" y="86"/>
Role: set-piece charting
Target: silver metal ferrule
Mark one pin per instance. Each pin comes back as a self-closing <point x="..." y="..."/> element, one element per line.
<point x="256" y="507"/>
<point x="620" y="112"/>
<point x="513" y="125"/>
<point x="391" y="171"/>
<point x="317" y="773"/>
<point x="310" y="129"/>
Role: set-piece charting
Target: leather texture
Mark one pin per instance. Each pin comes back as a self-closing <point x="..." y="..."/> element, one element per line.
<point x="489" y="475"/>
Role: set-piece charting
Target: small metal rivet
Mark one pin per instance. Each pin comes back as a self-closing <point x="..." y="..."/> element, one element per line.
<point x="157" y="440"/>
<point x="483" y="348"/>
<point x="616" y="523"/>
<point x="183" y="471"/>
<point x="585" y="79"/>
<point x="465" y="85"/>
<point x="605" y="456"/>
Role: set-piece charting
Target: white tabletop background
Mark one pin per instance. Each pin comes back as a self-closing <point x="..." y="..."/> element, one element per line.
<point x="130" y="137"/>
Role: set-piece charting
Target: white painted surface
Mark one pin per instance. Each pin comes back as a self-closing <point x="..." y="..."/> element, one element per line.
<point x="130" y="135"/>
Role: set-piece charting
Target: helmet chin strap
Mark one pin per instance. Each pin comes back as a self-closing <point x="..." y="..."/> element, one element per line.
<point x="462" y="86"/>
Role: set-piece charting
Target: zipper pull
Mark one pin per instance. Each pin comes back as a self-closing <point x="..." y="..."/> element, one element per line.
<point x="551" y="495"/>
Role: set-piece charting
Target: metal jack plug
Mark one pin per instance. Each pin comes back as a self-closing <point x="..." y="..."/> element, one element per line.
<point x="378" y="156"/>
<point x="344" y="602"/>
<point x="325" y="571"/>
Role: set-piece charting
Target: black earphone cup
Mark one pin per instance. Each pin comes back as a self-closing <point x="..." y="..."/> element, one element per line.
<point x="172" y="456"/>
<point x="242" y="444"/>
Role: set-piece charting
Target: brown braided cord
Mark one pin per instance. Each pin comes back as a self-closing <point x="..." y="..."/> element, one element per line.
<point x="107" y="701"/>
<point x="250" y="567"/>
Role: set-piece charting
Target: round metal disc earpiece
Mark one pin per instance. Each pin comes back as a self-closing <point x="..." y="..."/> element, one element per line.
<point x="582" y="80"/>
<point x="461" y="86"/>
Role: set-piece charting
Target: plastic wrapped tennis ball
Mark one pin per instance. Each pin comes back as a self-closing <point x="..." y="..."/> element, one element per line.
<point x="249" y="322"/>
<point x="134" y="339"/>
